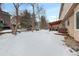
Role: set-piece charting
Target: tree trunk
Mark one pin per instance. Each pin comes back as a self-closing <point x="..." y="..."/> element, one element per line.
<point x="33" y="18"/>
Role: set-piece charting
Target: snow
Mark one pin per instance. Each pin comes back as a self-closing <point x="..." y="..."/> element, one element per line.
<point x="37" y="43"/>
<point x="4" y="31"/>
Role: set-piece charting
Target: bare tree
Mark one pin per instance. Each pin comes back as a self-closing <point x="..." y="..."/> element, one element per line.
<point x="16" y="5"/>
<point x="39" y="11"/>
<point x="43" y="23"/>
<point x="26" y="20"/>
<point x="33" y="15"/>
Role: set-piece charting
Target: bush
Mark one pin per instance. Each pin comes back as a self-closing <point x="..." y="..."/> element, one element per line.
<point x="62" y="30"/>
<point x="1" y="25"/>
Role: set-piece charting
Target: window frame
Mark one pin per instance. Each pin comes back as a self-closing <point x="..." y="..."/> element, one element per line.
<point x="75" y="20"/>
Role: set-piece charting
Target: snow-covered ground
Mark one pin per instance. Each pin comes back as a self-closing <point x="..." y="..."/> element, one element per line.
<point x="37" y="43"/>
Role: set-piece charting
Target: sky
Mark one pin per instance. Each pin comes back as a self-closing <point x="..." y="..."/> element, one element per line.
<point x="52" y="9"/>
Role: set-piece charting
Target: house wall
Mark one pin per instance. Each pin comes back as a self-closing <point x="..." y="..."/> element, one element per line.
<point x="76" y="31"/>
<point x="70" y="27"/>
<point x="60" y="25"/>
<point x="6" y="18"/>
<point x="55" y="26"/>
<point x="72" y="21"/>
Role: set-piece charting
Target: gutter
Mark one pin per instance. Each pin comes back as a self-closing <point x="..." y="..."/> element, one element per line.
<point x="70" y="11"/>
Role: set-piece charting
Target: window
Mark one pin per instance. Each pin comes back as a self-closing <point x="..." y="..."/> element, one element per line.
<point x="68" y="22"/>
<point x="77" y="20"/>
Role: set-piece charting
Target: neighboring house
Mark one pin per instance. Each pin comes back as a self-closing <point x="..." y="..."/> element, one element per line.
<point x="5" y="19"/>
<point x="69" y="13"/>
<point x="54" y="25"/>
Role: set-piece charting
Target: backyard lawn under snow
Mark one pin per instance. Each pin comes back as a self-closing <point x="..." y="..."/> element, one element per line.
<point x="37" y="43"/>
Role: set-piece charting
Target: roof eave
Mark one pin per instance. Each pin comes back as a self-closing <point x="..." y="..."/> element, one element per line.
<point x="61" y="9"/>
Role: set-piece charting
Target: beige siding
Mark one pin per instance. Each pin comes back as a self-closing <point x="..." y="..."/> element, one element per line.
<point x="66" y="23"/>
<point x="60" y="25"/>
<point x="65" y="9"/>
<point x="76" y="31"/>
<point x="70" y="27"/>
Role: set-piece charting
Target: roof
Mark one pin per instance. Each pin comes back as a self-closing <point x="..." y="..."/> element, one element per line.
<point x="62" y="4"/>
<point x="55" y="22"/>
<point x="70" y="11"/>
<point x="6" y="13"/>
<point x="3" y="13"/>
